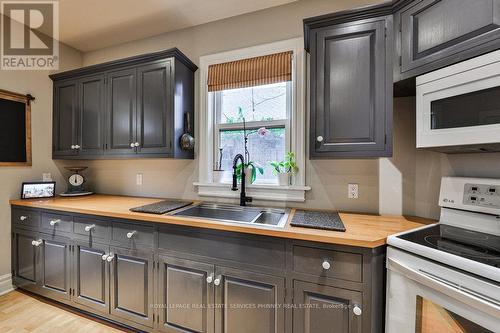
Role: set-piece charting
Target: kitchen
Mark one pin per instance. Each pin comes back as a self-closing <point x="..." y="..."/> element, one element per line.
<point x="374" y="177"/>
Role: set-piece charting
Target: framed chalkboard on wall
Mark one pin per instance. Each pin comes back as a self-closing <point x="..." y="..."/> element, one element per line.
<point x="15" y="129"/>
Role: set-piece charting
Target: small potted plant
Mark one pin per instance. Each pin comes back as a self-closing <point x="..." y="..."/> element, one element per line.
<point x="251" y="169"/>
<point x="285" y="169"/>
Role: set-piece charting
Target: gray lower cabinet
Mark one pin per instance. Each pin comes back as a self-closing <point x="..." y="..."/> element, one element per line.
<point x="324" y="309"/>
<point x="185" y="297"/>
<point x="24" y="260"/>
<point x="351" y="88"/>
<point x="54" y="266"/>
<point x="91" y="276"/>
<point x="132" y="285"/>
<point x="249" y="302"/>
<point x="437" y="33"/>
<point x="176" y="279"/>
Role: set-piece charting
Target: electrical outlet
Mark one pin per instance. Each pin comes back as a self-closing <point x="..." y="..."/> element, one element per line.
<point x="138" y="179"/>
<point x="353" y="191"/>
<point x="46" y="177"/>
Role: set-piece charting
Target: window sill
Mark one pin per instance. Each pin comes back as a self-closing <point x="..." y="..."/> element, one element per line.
<point x="257" y="191"/>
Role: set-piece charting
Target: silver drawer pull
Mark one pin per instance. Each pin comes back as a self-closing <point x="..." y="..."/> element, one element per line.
<point x="23" y="218"/>
<point x="357" y="310"/>
<point x="210" y="278"/>
<point x="136" y="144"/>
<point x="131" y="234"/>
<point x="104" y="257"/>
<point x="77" y="147"/>
<point x="110" y="257"/>
<point x="36" y="242"/>
<point x="217" y="280"/>
<point x="88" y="228"/>
<point x="54" y="222"/>
<point x="326" y="265"/>
<point x="132" y="145"/>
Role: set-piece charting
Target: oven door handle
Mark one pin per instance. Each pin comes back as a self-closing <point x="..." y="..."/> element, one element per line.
<point x="465" y="296"/>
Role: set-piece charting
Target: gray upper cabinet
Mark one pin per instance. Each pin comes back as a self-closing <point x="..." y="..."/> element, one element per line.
<point x="91" y="116"/>
<point x="437" y="33"/>
<point x="154" y="109"/>
<point x="124" y="108"/>
<point x="65" y="118"/>
<point x="122" y="111"/>
<point x="351" y="87"/>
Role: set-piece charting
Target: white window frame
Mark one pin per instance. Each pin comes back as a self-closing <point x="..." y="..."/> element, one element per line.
<point x="295" y="136"/>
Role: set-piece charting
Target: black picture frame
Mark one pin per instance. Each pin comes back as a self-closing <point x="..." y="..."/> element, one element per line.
<point x="51" y="185"/>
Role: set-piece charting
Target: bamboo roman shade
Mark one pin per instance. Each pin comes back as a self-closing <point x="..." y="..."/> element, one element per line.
<point x="273" y="68"/>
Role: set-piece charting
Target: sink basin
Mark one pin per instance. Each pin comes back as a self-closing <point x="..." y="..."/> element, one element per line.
<point x="271" y="217"/>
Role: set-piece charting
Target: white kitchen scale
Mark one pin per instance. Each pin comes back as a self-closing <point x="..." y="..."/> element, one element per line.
<point x="75" y="183"/>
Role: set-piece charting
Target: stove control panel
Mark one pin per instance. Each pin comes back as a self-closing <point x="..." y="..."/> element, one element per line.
<point x="472" y="194"/>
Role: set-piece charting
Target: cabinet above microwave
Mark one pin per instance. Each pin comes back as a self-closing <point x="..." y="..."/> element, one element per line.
<point x="458" y="107"/>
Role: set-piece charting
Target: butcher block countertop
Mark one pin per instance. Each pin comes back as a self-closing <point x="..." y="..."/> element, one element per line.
<point x="361" y="229"/>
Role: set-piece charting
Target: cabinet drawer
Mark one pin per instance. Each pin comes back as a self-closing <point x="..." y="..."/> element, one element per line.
<point x="132" y="234"/>
<point x="25" y="218"/>
<point x="87" y="227"/>
<point x="328" y="263"/>
<point x="57" y="223"/>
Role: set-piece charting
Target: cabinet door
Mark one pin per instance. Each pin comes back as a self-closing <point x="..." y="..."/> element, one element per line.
<point x="154" y="109"/>
<point x="322" y="309"/>
<point x="121" y="100"/>
<point x="91" y="115"/>
<point x="65" y="118"/>
<point x="351" y="112"/>
<point x="91" y="276"/>
<point x="54" y="267"/>
<point x="437" y="33"/>
<point x="248" y="302"/>
<point x="24" y="259"/>
<point x="187" y="295"/>
<point x="131" y="284"/>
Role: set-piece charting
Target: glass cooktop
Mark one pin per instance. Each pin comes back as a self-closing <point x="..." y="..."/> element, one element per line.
<point x="473" y="245"/>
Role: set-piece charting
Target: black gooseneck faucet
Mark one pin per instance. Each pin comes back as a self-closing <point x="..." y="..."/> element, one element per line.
<point x="243" y="196"/>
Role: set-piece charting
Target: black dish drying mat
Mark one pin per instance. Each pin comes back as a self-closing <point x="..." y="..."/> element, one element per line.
<point x="161" y="207"/>
<point x="318" y="220"/>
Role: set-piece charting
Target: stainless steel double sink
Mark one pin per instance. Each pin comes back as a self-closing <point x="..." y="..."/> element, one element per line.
<point x="258" y="216"/>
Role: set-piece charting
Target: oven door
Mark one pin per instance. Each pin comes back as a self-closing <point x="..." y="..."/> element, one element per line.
<point x="459" y="106"/>
<point x="425" y="297"/>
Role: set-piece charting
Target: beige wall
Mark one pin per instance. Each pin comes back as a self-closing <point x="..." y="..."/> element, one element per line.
<point x="174" y="178"/>
<point x="39" y="85"/>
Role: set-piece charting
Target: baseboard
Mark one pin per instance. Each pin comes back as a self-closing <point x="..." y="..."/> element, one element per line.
<point x="6" y="284"/>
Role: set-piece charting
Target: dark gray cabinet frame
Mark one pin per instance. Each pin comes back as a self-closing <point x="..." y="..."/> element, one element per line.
<point x="156" y="120"/>
<point x="251" y="269"/>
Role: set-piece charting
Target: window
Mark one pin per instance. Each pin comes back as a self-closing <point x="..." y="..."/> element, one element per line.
<point x="274" y="100"/>
<point x="266" y="106"/>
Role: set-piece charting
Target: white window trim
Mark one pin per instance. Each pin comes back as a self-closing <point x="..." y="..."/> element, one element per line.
<point x="295" y="192"/>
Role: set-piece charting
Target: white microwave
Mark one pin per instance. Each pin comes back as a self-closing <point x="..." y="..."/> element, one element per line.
<point x="458" y="107"/>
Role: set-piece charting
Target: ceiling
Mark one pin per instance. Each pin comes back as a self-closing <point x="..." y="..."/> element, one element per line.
<point x="93" y="24"/>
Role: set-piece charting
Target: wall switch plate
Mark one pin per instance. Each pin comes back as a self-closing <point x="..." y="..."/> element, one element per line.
<point x="46" y="177"/>
<point x="138" y="179"/>
<point x="353" y="191"/>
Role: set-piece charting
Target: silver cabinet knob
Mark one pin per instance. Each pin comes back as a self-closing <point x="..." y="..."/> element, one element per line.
<point x="54" y="222"/>
<point x="217" y="280"/>
<point x="104" y="257"/>
<point x="357" y="310"/>
<point x="77" y="147"/>
<point x="210" y="278"/>
<point x="72" y="146"/>
<point x="36" y="242"/>
<point x="89" y="227"/>
<point x="23" y="218"/>
<point x="319" y="139"/>
<point x="136" y="144"/>
<point x="132" y="145"/>
<point x="326" y="265"/>
<point x="131" y="234"/>
<point x="110" y="257"/>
